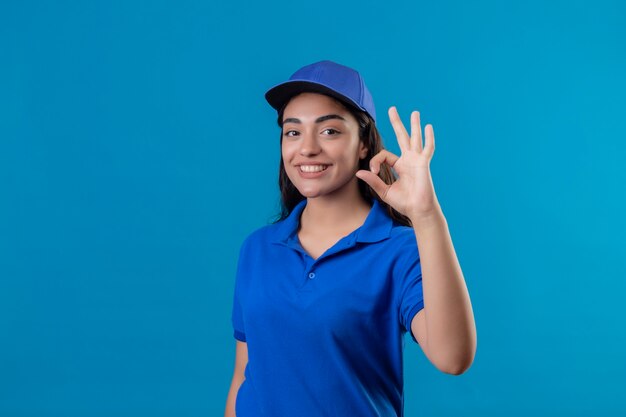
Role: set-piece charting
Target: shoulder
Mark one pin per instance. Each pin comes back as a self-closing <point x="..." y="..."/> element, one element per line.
<point x="261" y="235"/>
<point x="400" y="231"/>
<point x="403" y="249"/>
<point x="402" y="237"/>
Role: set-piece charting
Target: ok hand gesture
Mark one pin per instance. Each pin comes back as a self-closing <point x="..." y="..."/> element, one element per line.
<point x="413" y="193"/>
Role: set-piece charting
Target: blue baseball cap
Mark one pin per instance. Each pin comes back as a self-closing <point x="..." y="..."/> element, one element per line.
<point x="325" y="77"/>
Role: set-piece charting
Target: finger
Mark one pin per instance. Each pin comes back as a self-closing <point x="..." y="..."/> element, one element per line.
<point x="416" y="132"/>
<point x="398" y="128"/>
<point x="429" y="148"/>
<point x="384" y="156"/>
<point x="374" y="181"/>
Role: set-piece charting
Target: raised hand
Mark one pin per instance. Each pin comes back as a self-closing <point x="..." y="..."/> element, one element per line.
<point x="413" y="193"/>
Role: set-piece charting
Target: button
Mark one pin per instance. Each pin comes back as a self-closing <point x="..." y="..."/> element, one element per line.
<point x="312" y="275"/>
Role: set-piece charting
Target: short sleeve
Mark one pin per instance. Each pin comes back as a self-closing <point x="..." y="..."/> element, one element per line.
<point x="411" y="294"/>
<point x="237" y="312"/>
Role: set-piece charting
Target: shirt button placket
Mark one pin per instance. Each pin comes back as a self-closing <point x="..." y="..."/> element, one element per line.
<point x="309" y="275"/>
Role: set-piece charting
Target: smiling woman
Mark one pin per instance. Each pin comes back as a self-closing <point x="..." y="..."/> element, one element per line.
<point x="324" y="148"/>
<point x="324" y="295"/>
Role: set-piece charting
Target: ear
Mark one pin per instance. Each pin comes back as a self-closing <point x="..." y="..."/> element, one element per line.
<point x="362" y="150"/>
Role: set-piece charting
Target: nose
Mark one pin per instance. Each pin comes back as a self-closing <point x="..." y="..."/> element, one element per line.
<point x="309" y="144"/>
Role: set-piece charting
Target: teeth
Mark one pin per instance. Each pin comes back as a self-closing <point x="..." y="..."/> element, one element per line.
<point x="313" y="168"/>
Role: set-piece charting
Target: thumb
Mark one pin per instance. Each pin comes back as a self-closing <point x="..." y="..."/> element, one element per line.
<point x="374" y="181"/>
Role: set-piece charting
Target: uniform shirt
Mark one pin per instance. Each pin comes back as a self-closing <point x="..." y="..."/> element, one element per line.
<point x="325" y="336"/>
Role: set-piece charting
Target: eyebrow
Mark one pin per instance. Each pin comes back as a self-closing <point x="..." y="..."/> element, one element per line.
<point x="318" y="120"/>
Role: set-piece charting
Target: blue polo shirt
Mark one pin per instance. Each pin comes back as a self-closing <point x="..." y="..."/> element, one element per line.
<point x="325" y="336"/>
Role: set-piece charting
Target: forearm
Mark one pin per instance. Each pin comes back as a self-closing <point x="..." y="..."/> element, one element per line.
<point x="232" y="396"/>
<point x="448" y="312"/>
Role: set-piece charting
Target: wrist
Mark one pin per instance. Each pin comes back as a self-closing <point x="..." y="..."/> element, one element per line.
<point x="425" y="222"/>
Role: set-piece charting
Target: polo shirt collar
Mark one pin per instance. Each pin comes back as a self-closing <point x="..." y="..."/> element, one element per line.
<point x="377" y="225"/>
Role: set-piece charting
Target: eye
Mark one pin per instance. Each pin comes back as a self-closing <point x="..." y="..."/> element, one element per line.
<point x="332" y="132"/>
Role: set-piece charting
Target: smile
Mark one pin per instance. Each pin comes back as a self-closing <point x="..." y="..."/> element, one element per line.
<point x="313" y="168"/>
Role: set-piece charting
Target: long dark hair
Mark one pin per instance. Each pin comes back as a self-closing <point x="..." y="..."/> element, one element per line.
<point x="369" y="135"/>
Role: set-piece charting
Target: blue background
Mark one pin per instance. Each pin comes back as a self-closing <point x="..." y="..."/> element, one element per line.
<point x="137" y="152"/>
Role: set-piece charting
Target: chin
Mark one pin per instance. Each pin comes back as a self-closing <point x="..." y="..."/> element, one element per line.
<point x="310" y="193"/>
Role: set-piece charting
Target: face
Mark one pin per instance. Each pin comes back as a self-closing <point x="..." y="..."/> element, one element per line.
<point x="318" y="130"/>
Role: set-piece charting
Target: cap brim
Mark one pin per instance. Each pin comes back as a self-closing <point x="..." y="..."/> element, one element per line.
<point x="280" y="94"/>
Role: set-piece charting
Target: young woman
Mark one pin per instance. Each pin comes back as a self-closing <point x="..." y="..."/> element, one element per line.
<point x="324" y="295"/>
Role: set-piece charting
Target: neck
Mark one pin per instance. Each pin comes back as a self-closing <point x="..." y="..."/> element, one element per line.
<point x="329" y="213"/>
